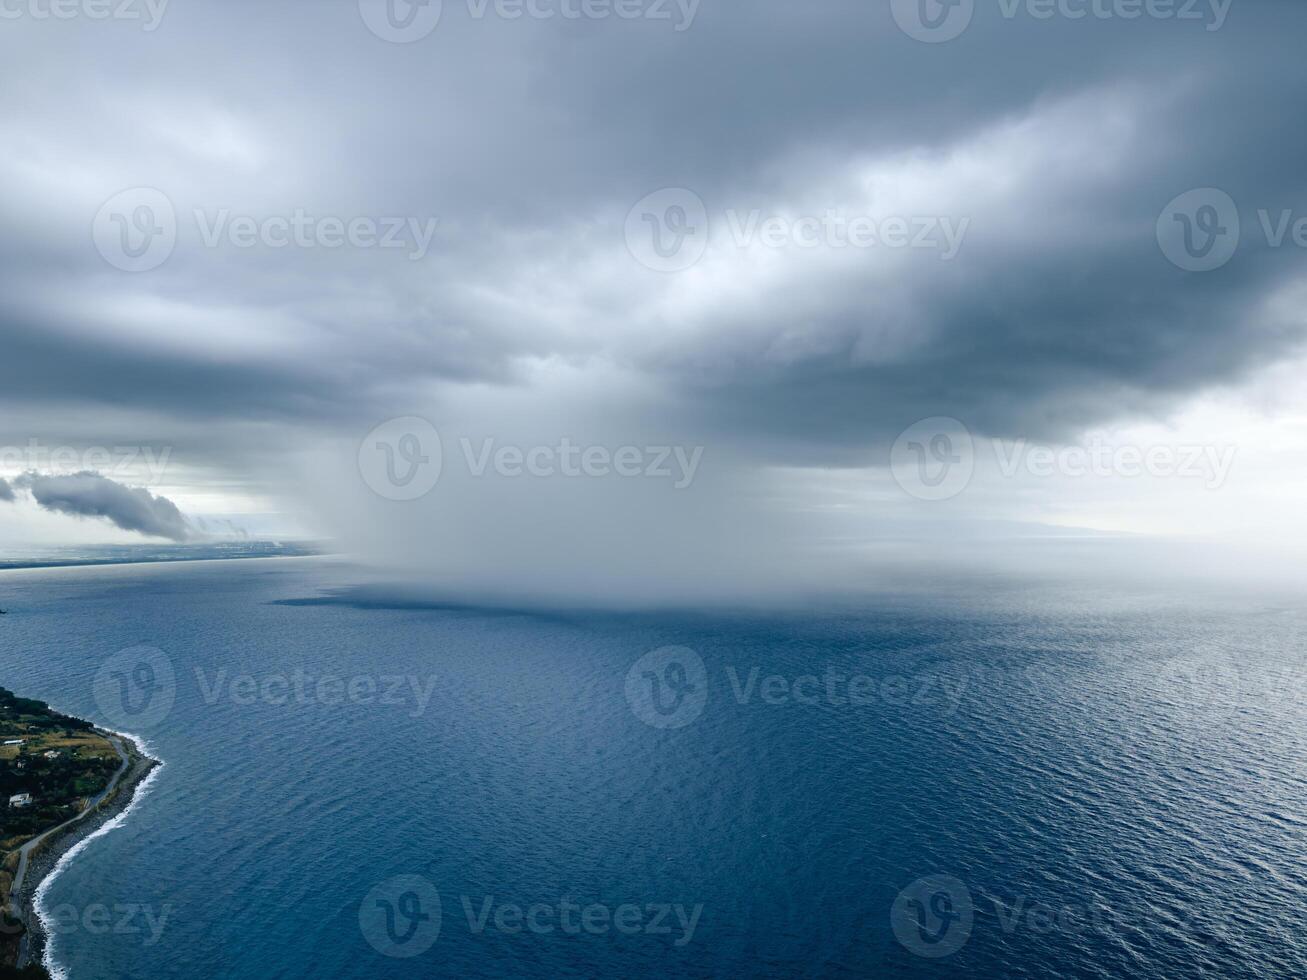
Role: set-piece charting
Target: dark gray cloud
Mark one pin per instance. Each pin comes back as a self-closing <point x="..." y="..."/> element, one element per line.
<point x="92" y="495"/>
<point x="1060" y="140"/>
<point x="1058" y="311"/>
<point x="6" y="491"/>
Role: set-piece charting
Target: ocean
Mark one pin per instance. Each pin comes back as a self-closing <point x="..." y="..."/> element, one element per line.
<point x="1001" y="780"/>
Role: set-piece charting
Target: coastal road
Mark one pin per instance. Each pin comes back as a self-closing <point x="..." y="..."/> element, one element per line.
<point x="25" y="851"/>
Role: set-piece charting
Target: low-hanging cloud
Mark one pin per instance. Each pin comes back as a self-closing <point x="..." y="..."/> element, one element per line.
<point x="89" y="494"/>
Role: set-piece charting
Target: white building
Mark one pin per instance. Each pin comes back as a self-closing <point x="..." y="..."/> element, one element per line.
<point x="21" y="800"/>
<point x="14" y="741"/>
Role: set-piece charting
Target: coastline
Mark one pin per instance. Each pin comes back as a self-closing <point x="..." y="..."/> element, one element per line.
<point x="55" y="853"/>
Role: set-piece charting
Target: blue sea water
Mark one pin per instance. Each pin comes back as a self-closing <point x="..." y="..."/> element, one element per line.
<point x="991" y="782"/>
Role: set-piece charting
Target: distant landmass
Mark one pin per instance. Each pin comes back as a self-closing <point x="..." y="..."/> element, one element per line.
<point x="137" y="554"/>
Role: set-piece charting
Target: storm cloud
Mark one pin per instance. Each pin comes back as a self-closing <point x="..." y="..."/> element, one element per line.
<point x="1051" y="145"/>
<point x="92" y="495"/>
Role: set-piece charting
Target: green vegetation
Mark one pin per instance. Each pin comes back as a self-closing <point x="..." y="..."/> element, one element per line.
<point x="61" y="764"/>
<point x="37" y="714"/>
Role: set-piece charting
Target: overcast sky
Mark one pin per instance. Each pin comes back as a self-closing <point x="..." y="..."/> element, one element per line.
<point x="781" y="234"/>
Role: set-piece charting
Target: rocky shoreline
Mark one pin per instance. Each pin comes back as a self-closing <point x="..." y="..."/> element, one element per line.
<point x="43" y="861"/>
